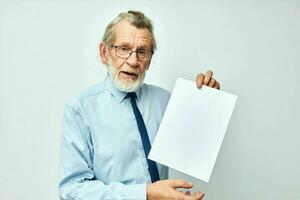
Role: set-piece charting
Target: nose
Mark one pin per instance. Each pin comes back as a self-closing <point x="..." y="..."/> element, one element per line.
<point x="132" y="60"/>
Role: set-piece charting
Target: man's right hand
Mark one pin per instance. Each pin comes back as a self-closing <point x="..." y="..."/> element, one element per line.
<point x="166" y="189"/>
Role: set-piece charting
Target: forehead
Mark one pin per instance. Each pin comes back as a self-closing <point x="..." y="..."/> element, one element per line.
<point x="125" y="33"/>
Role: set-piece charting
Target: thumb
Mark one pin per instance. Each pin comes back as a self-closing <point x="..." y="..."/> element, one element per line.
<point x="176" y="183"/>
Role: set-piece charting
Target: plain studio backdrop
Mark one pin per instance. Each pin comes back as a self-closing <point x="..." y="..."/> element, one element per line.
<point x="49" y="53"/>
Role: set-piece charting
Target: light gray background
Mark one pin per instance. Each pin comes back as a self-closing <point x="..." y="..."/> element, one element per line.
<point x="49" y="53"/>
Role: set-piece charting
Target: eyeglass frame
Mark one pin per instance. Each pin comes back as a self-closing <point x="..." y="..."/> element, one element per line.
<point x="131" y="51"/>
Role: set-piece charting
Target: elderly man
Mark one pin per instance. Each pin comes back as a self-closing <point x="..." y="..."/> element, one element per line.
<point x="108" y="129"/>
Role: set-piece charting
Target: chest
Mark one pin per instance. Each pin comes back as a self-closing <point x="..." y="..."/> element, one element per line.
<point x="115" y="132"/>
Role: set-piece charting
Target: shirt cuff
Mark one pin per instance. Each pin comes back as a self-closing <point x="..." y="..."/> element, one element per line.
<point x="137" y="191"/>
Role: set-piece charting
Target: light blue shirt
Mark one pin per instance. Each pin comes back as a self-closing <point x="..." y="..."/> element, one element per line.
<point x="102" y="155"/>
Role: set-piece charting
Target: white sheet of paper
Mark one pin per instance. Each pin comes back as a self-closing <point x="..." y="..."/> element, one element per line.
<point x="192" y="129"/>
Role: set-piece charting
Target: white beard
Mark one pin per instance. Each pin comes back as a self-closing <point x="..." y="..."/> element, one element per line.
<point x="124" y="85"/>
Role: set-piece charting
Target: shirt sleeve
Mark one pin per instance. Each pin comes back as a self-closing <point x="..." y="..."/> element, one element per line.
<point x="77" y="179"/>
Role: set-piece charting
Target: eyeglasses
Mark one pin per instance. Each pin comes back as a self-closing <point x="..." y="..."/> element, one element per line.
<point x="125" y="52"/>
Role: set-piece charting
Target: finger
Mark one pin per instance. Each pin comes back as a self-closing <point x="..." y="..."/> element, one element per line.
<point x="199" y="80"/>
<point x="189" y="197"/>
<point x="208" y="75"/>
<point x="179" y="195"/>
<point x="212" y="82"/>
<point x="199" y="195"/>
<point x="176" y="183"/>
<point x="217" y="85"/>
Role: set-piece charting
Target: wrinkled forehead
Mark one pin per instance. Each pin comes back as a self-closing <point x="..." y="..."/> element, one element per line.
<point x="127" y="34"/>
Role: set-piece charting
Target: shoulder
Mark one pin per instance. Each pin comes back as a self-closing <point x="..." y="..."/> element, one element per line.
<point x="157" y="91"/>
<point x="157" y="95"/>
<point x="83" y="96"/>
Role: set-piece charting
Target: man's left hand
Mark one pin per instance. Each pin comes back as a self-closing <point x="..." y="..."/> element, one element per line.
<point x="207" y="79"/>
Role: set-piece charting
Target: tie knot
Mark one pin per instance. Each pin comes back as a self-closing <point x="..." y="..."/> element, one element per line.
<point x="132" y="95"/>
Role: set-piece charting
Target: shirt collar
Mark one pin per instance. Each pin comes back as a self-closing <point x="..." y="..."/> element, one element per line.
<point x="119" y="95"/>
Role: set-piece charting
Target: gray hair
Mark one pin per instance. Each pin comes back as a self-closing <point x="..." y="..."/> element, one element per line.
<point x="135" y="18"/>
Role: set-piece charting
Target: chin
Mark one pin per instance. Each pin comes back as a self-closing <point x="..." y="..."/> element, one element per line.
<point x="127" y="85"/>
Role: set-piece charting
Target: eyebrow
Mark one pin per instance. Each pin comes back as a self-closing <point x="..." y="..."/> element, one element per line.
<point x="145" y="47"/>
<point x="126" y="44"/>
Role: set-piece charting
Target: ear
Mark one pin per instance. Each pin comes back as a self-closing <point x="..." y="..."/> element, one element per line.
<point x="103" y="50"/>
<point x="149" y="63"/>
<point x="148" y="66"/>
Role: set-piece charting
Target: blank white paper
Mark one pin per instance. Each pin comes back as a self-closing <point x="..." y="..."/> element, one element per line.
<point x="192" y="129"/>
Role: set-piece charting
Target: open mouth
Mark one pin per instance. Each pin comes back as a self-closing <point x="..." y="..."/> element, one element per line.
<point x="129" y="74"/>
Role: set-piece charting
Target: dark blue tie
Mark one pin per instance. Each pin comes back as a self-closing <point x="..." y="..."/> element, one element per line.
<point x="145" y="139"/>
